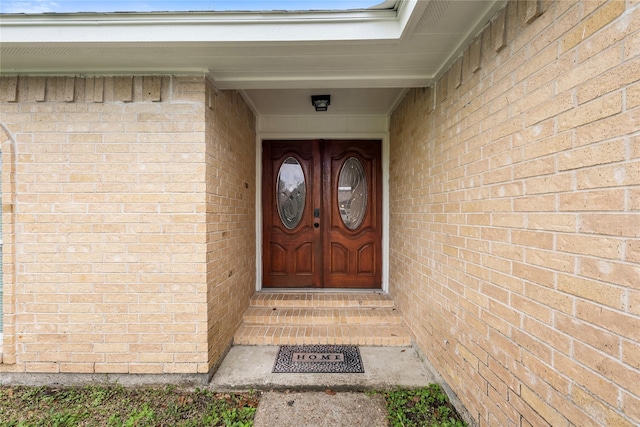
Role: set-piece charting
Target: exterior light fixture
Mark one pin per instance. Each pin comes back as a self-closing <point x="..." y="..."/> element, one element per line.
<point x="321" y="102"/>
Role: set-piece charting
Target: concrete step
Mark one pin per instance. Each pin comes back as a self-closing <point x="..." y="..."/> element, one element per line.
<point x="341" y="318"/>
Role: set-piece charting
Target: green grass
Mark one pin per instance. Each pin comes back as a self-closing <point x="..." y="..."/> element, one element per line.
<point x="424" y="407"/>
<point x="116" y="406"/>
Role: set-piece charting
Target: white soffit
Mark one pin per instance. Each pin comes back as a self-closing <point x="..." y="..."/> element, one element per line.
<point x="336" y="51"/>
<point x="344" y="102"/>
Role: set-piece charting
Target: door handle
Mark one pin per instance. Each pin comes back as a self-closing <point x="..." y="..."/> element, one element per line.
<point x="316" y="213"/>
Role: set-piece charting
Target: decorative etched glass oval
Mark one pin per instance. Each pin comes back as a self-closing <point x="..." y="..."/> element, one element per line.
<point x="352" y="193"/>
<point x="291" y="193"/>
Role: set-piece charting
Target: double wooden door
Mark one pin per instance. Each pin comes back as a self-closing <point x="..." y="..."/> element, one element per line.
<point x="322" y="214"/>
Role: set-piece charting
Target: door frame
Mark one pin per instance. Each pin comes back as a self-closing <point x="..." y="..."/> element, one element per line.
<point x="384" y="137"/>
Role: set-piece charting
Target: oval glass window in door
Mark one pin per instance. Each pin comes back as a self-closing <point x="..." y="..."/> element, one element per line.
<point x="352" y="193"/>
<point x="291" y="193"/>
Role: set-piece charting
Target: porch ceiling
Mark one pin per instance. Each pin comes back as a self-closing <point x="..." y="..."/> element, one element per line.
<point x="364" y="59"/>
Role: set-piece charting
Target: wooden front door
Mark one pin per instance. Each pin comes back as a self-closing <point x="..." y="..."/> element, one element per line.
<point x="322" y="214"/>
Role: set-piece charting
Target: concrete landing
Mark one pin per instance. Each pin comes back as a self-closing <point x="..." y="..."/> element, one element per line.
<point x="321" y="400"/>
<point x="249" y="367"/>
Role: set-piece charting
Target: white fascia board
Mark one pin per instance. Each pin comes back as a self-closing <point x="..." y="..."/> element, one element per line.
<point x="201" y="27"/>
<point x="409" y="14"/>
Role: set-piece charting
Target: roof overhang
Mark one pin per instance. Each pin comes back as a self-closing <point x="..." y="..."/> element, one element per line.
<point x="405" y="46"/>
<point x="209" y="27"/>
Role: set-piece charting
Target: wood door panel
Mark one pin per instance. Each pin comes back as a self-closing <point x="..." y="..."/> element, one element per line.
<point x="296" y="251"/>
<point x="292" y="260"/>
<point x="339" y="259"/>
<point x="360" y="261"/>
<point x="321" y="250"/>
<point x="304" y="259"/>
<point x="366" y="260"/>
<point x="363" y="245"/>
<point x="278" y="259"/>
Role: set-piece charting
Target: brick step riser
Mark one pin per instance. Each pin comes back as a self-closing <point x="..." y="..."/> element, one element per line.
<point x="373" y="342"/>
<point x="294" y="304"/>
<point x="307" y="301"/>
<point x="306" y="321"/>
<point x="333" y="316"/>
<point x="261" y="335"/>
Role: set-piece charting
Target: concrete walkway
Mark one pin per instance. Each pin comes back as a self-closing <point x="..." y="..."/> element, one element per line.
<point x="320" y="409"/>
<point x="318" y="400"/>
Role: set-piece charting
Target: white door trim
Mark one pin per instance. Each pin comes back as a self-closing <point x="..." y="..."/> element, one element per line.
<point x="329" y="134"/>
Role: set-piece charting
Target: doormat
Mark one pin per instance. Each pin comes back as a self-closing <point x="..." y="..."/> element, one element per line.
<point x="318" y="359"/>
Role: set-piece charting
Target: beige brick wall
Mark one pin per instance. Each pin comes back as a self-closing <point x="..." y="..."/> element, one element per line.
<point x="515" y="223"/>
<point x="8" y="248"/>
<point x="111" y="185"/>
<point x="231" y="215"/>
